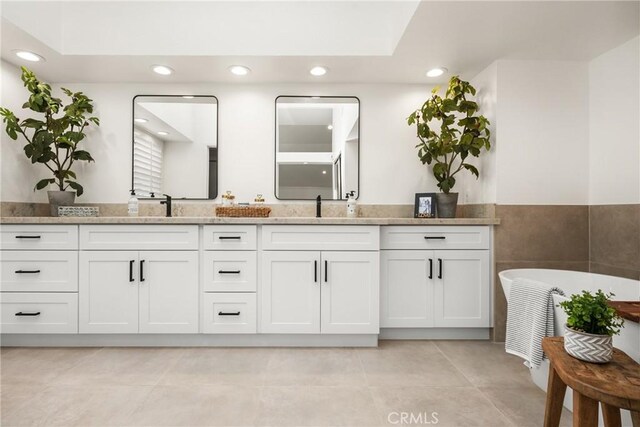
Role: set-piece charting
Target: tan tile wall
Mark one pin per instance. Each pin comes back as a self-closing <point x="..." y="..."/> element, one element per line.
<point x="615" y="240"/>
<point x="537" y="236"/>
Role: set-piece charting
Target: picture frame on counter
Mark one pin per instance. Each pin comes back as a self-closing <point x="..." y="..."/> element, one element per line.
<point x="425" y="205"/>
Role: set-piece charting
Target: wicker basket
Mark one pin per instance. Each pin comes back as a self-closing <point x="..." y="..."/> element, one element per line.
<point x="243" y="211"/>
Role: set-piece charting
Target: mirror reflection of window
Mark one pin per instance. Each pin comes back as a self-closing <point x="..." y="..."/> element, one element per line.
<point x="175" y="146"/>
<point x="317" y="147"/>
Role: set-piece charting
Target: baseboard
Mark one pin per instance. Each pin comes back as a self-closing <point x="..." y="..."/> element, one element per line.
<point x="434" y="333"/>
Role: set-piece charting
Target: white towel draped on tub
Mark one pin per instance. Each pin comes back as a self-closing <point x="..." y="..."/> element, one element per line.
<point x="529" y="319"/>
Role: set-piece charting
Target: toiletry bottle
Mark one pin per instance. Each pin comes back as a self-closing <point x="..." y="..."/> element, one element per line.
<point x="133" y="204"/>
<point x="351" y="205"/>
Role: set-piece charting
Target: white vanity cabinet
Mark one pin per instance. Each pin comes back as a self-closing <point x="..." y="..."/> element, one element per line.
<point x="39" y="279"/>
<point x="138" y="291"/>
<point x="435" y="276"/>
<point x="333" y="289"/>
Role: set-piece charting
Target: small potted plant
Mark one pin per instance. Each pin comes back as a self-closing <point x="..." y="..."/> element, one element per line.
<point x="55" y="139"/>
<point x="591" y="324"/>
<point x="449" y="131"/>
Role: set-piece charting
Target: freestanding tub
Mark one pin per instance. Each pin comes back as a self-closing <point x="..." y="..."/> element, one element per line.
<point x="573" y="282"/>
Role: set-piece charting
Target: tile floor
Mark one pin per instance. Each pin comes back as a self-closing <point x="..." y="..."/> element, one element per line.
<point x="466" y="383"/>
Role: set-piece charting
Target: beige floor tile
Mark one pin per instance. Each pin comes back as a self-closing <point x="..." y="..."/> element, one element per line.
<point x="219" y="366"/>
<point x="443" y="406"/>
<point x="317" y="406"/>
<point x="523" y="405"/>
<point x="40" y="365"/>
<point x="199" y="406"/>
<point x="75" y="406"/>
<point x="318" y="367"/>
<point x="486" y="364"/>
<point x="409" y="364"/>
<point x="123" y="366"/>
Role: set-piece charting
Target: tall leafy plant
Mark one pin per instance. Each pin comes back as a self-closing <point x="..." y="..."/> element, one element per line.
<point x="449" y="131"/>
<point x="54" y="140"/>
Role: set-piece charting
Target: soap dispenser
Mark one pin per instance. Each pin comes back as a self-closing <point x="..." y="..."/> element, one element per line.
<point x="133" y="204"/>
<point x="351" y="205"/>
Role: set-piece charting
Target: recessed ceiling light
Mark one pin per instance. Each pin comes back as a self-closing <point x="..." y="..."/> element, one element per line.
<point x="141" y="120"/>
<point x="330" y="127"/>
<point x="162" y="70"/>
<point x="163" y="133"/>
<point x="187" y="96"/>
<point x="239" y="70"/>
<point x="28" y="56"/>
<point x="318" y="71"/>
<point x="324" y="172"/>
<point x="436" y="72"/>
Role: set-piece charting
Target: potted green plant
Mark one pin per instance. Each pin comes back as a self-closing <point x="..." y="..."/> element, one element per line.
<point x="591" y="324"/>
<point x="54" y="140"/>
<point x="449" y="131"/>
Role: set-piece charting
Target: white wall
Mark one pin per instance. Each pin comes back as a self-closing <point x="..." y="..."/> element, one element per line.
<point x="390" y="170"/>
<point x="614" y="125"/>
<point x="543" y="132"/>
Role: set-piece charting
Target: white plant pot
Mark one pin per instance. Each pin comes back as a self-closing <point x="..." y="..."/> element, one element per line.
<point x="588" y="347"/>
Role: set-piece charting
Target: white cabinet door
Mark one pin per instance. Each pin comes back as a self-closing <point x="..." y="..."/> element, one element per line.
<point x="290" y="294"/>
<point x="108" y="292"/>
<point x="168" y="282"/>
<point x="407" y="289"/>
<point x="350" y="293"/>
<point x="462" y="289"/>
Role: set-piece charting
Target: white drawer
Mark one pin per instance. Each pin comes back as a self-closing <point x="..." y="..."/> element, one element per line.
<point x="321" y="237"/>
<point x="40" y="271"/>
<point x="39" y="237"/>
<point x="139" y="237"/>
<point x="229" y="313"/>
<point x="229" y="237"/>
<point x="232" y="271"/>
<point x="435" y="237"/>
<point x="39" y="313"/>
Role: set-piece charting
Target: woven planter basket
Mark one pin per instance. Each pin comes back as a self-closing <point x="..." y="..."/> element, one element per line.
<point x="588" y="347"/>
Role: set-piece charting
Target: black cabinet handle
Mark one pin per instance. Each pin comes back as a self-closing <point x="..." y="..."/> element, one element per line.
<point x="142" y="271"/>
<point x="315" y="271"/>
<point x="229" y="237"/>
<point x="435" y="237"/>
<point x="131" y="279"/>
<point x="439" y="268"/>
<point x="27" y="271"/>
<point x="228" y="271"/>
<point x="27" y="237"/>
<point x="430" y="268"/>
<point x="222" y="313"/>
<point x="20" y="313"/>
<point x="326" y="268"/>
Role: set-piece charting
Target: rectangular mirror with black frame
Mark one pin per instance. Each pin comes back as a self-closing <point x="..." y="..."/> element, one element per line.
<point x="175" y="146"/>
<point x="317" y="147"/>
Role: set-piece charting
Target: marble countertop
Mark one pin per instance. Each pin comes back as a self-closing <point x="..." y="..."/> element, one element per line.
<point x="225" y="220"/>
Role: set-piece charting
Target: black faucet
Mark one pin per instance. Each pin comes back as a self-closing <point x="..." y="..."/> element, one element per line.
<point x="167" y="202"/>
<point x="319" y="206"/>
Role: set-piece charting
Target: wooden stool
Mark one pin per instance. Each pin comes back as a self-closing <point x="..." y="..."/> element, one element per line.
<point x="615" y="385"/>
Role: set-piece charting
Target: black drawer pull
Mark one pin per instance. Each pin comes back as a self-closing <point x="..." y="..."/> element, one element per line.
<point x="20" y="313"/>
<point x="435" y="237"/>
<point x="27" y="271"/>
<point x="430" y="268"/>
<point x="131" y="279"/>
<point x="222" y="313"/>
<point x="228" y="271"/>
<point x="439" y="268"/>
<point x="27" y="237"/>
<point x="229" y="237"/>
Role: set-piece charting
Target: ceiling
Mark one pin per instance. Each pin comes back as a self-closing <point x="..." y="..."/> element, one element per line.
<point x="359" y="41"/>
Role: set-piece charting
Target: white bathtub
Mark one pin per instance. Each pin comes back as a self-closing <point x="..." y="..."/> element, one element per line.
<point x="573" y="282"/>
